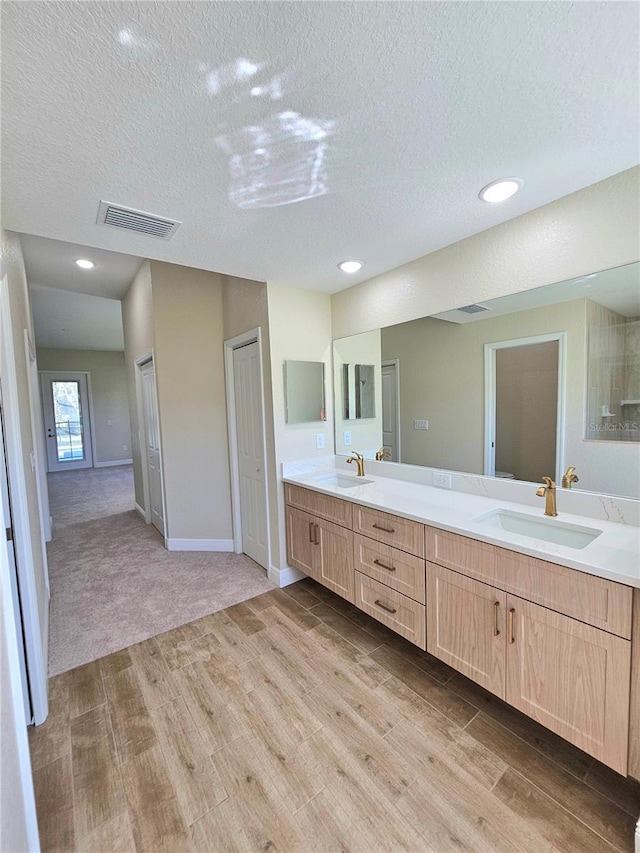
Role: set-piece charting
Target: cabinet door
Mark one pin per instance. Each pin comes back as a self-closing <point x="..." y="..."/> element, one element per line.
<point x="571" y="677"/>
<point x="335" y="559"/>
<point x="466" y="626"/>
<point x="302" y="551"/>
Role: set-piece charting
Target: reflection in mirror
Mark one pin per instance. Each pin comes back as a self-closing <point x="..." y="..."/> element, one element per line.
<point x="575" y="406"/>
<point x="304" y="391"/>
<point x="358" y="390"/>
<point x="357" y="433"/>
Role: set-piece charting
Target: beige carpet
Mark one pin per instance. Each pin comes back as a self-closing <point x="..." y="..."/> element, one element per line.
<point x="112" y="581"/>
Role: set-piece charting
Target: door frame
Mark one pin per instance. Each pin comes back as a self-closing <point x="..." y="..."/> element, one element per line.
<point x="395" y="362"/>
<point x="39" y="441"/>
<point x="92" y="432"/>
<point x="36" y="644"/>
<point x="145" y="512"/>
<point x="250" y="337"/>
<point x="490" y="397"/>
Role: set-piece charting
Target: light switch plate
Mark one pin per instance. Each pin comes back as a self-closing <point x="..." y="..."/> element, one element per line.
<point x="347" y="438"/>
<point x="421" y="424"/>
<point x="319" y="441"/>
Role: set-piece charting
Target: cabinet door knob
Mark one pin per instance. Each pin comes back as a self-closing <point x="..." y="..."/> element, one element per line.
<point x="496" y="609"/>
<point x="512" y="638"/>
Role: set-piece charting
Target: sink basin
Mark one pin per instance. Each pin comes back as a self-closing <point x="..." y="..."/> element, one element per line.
<point x="342" y="481"/>
<point x="546" y="528"/>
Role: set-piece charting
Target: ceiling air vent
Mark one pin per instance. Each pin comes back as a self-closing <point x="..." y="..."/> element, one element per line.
<point x="136" y="220"/>
<point x="473" y="309"/>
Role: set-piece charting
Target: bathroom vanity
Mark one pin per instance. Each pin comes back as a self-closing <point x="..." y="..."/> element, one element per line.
<point x="548" y="627"/>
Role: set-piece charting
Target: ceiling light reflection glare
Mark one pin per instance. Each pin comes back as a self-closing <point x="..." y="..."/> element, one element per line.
<point x="350" y="266"/>
<point x="500" y="190"/>
<point x="84" y="264"/>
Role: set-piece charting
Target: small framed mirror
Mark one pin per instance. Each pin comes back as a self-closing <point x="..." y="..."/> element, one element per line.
<point x="304" y="392"/>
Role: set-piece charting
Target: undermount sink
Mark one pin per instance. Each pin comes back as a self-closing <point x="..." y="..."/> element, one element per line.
<point x="546" y="528"/>
<point x="342" y="481"/>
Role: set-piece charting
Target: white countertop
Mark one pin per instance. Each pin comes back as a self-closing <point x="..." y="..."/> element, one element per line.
<point x="614" y="555"/>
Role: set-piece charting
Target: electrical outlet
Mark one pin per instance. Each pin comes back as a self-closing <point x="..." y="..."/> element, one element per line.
<point x="108" y="421"/>
<point x="125" y="446"/>
<point x="319" y="441"/>
<point x="443" y="481"/>
<point x="421" y="424"/>
<point x="347" y="438"/>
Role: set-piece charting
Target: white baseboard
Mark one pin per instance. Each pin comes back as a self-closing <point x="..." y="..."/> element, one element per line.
<point x="284" y="577"/>
<point x="198" y="544"/>
<point x="115" y="462"/>
<point x="140" y="512"/>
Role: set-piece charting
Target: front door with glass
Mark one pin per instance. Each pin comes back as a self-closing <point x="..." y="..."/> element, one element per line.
<point x="65" y="403"/>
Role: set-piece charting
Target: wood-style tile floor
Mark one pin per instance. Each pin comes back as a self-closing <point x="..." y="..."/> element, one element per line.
<point x="294" y="722"/>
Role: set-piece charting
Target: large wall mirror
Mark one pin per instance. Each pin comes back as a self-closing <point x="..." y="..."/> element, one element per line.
<point x="517" y="387"/>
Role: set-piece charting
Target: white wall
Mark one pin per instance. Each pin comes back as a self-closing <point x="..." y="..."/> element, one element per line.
<point x="588" y="231"/>
<point x="109" y="394"/>
<point x="366" y="433"/>
<point x="299" y="329"/>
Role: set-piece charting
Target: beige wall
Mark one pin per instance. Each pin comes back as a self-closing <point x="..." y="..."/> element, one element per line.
<point x="109" y="394"/>
<point x="137" y="322"/>
<point x="188" y="324"/>
<point x="299" y="328"/>
<point x="591" y="230"/>
<point x="20" y="309"/>
<point x="245" y="307"/>
<point x="365" y="432"/>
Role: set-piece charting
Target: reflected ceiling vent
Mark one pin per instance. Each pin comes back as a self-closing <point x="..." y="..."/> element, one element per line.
<point x="136" y="220"/>
<point x="473" y="309"/>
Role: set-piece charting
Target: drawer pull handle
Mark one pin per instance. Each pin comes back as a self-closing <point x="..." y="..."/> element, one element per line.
<point x="496" y="608"/>
<point x="311" y="532"/>
<point x="317" y="536"/>
<point x="377" y="562"/>
<point x="378" y="603"/>
<point x="512" y="638"/>
<point x="384" y="529"/>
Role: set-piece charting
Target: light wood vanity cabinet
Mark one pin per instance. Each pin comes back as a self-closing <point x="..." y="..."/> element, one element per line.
<point x="553" y="642"/>
<point x="567" y="673"/>
<point x="322" y="550"/>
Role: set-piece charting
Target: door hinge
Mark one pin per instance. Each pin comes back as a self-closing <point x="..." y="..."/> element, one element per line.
<point x="9" y="532"/>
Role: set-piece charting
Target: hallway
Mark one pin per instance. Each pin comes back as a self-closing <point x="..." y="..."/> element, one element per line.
<point x="112" y="581"/>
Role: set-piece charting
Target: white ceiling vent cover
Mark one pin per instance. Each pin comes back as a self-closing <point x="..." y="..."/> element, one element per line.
<point x="118" y="216"/>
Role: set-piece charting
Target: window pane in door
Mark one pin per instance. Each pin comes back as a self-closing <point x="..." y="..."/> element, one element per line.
<point x="68" y="415"/>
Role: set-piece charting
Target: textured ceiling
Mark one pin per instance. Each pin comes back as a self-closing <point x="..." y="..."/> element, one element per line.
<point x="72" y="320"/>
<point x="51" y="263"/>
<point x="290" y="136"/>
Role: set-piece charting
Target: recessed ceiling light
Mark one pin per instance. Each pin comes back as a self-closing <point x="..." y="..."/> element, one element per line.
<point x="84" y="264"/>
<point x="500" y="190"/>
<point x="350" y="266"/>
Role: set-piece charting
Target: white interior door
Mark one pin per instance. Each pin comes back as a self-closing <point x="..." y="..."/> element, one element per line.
<point x="250" y="444"/>
<point x="14" y="583"/>
<point x="151" y="444"/>
<point x="390" y="410"/>
<point x="67" y="420"/>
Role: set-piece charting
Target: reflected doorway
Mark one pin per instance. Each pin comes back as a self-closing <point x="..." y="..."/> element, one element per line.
<point x="391" y="408"/>
<point x="525" y="408"/>
<point x="67" y="420"/>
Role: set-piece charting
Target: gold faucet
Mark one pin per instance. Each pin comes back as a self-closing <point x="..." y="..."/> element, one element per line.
<point x="359" y="458"/>
<point x="548" y="492"/>
<point x="382" y="454"/>
<point x="569" y="477"/>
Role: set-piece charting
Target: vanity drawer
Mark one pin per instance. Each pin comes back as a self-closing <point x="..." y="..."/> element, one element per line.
<point x="333" y="509"/>
<point x="398" y="612"/>
<point x="402" y="572"/>
<point x="390" y="529"/>
<point x="596" y="601"/>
